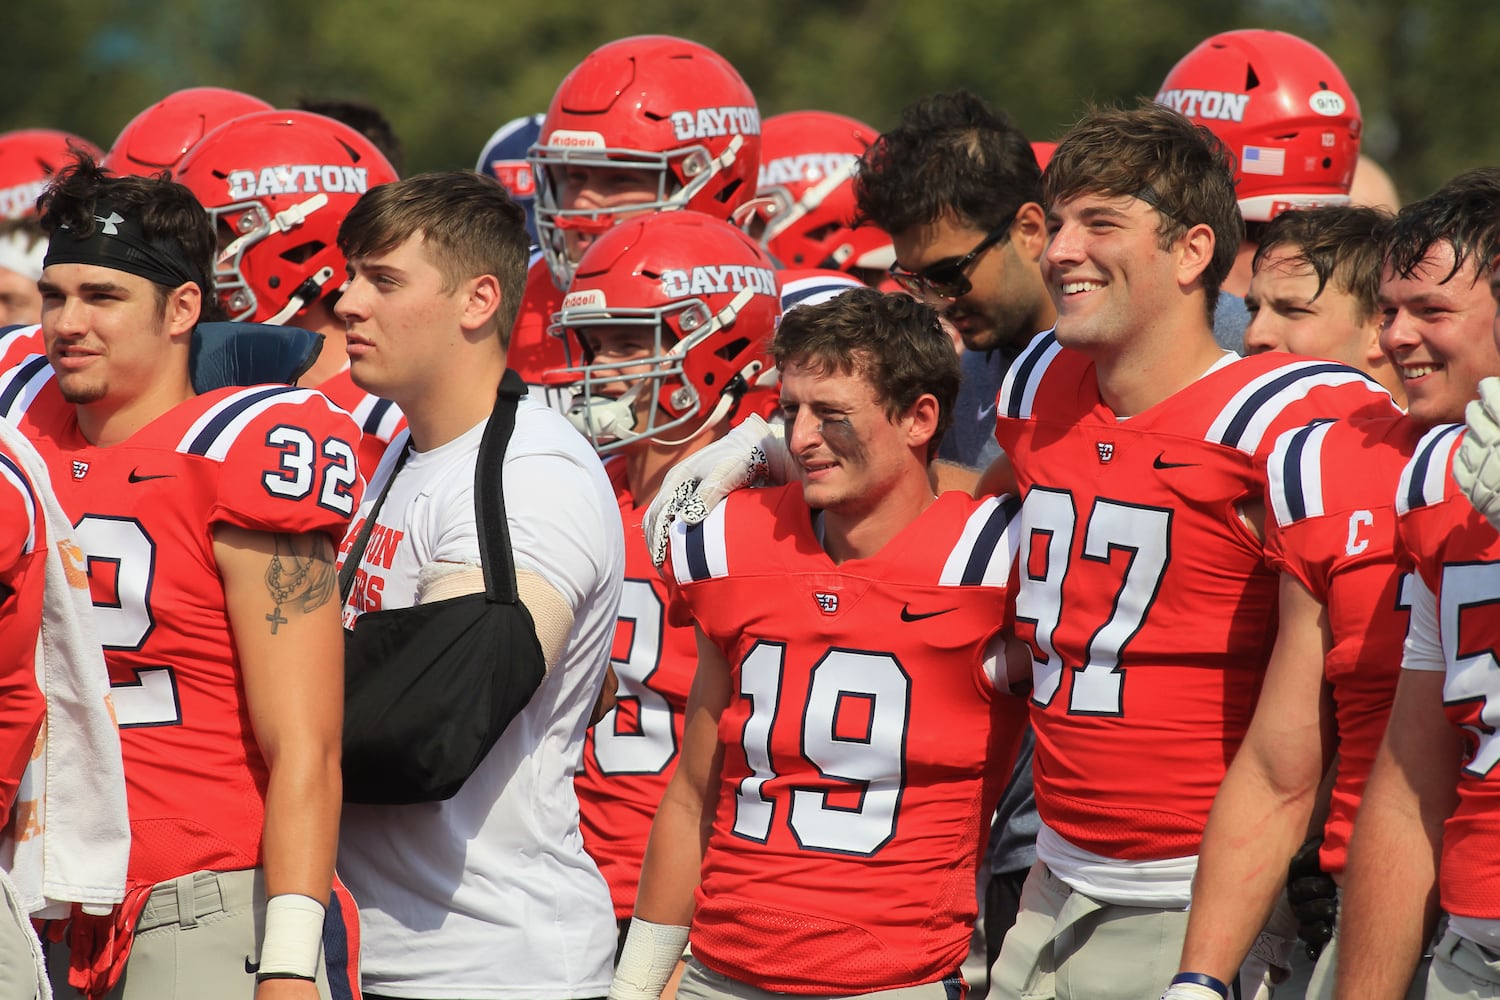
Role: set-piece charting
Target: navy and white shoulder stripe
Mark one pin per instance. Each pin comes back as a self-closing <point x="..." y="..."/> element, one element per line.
<point x="19" y="386"/>
<point x="1244" y="420"/>
<point x="1424" y="481"/>
<point x="1294" y="473"/>
<point x="377" y="417"/>
<point x="12" y="473"/>
<point x="987" y="549"/>
<point x="10" y="336"/>
<point x="1018" y="390"/>
<point x="699" y="551"/>
<point x="214" y="432"/>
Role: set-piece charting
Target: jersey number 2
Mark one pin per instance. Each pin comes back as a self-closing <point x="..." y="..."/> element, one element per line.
<point x="124" y="623"/>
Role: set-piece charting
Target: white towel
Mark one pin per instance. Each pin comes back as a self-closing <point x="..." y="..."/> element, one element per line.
<point x="69" y="836"/>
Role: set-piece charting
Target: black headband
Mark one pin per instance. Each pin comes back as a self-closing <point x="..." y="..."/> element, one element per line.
<point x="121" y="244"/>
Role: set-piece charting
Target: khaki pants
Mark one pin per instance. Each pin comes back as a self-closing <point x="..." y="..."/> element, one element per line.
<point x="701" y="983"/>
<point x="200" y="935"/>
<point x="20" y="951"/>
<point x="1462" y="970"/>
<point x="1068" y="946"/>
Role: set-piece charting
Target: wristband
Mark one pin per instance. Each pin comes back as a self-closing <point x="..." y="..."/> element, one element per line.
<point x="294" y="937"/>
<point x="647" y="961"/>
<point x="1201" y="979"/>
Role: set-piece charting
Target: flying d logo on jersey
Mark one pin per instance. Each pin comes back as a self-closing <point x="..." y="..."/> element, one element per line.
<point x="298" y="177"/>
<point x="718" y="278"/>
<point x="1106" y="450"/>
<point x="80" y="469"/>
<point x="827" y="603"/>
<point x="1213" y="105"/>
<point x="708" y="123"/>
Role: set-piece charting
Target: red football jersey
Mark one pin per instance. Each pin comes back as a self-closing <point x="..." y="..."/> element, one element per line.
<point x="1457" y="554"/>
<point x="379" y="420"/>
<point x="1331" y="505"/>
<point x="1144" y="596"/>
<point x="23" y="552"/>
<point x="19" y="342"/>
<point x="629" y="755"/>
<point x="864" y="747"/>
<point x="268" y="458"/>
<point x="533" y="351"/>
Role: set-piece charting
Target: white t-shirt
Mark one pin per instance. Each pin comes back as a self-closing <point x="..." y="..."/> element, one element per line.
<point x="490" y="894"/>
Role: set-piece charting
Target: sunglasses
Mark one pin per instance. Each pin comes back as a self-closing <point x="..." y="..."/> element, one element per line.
<point x="948" y="279"/>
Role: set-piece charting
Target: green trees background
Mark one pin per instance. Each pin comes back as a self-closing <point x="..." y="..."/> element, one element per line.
<point x="448" y="72"/>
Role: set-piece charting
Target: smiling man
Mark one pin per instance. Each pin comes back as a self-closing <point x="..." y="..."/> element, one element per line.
<point x="849" y="724"/>
<point x="1140" y="447"/>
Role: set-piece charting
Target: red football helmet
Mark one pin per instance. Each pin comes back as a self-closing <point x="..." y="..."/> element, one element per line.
<point x="278" y="185"/>
<point x="28" y="159"/>
<point x="804" y="206"/>
<point x="1283" y="109"/>
<point x="705" y="300"/>
<point x="158" y="138"/>
<point x="651" y="103"/>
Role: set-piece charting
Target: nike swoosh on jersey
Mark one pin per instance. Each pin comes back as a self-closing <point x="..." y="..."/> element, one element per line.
<point x="1158" y="463"/>
<point x="251" y="968"/>
<point x="985" y="412"/>
<point x="907" y="615"/>
<point x="136" y="477"/>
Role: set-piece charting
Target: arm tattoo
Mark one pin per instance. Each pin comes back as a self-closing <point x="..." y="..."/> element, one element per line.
<point x="303" y="579"/>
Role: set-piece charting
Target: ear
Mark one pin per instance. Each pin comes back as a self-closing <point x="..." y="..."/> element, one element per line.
<point x="921" y="420"/>
<point x="1195" y="251"/>
<point x="1373" y="354"/>
<point x="481" y="301"/>
<point x="1029" y="232"/>
<point x="184" y="307"/>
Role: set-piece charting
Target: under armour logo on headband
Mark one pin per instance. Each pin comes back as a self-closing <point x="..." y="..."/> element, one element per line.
<point x="110" y="225"/>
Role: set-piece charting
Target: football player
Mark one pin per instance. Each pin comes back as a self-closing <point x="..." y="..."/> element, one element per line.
<point x="649" y="123"/>
<point x="28" y="159"/>
<point x="1140" y="447"/>
<point x="668" y="320"/>
<point x="1425" y="836"/>
<point x="848" y="724"/>
<point x="159" y="137"/>
<point x="1331" y="532"/>
<point x="804" y="212"/>
<point x="277" y="184"/>
<point x="1291" y="123"/>
<point x="208" y="523"/>
<point x="1315" y="276"/>
<point x="23" y="553"/>
<point x="488" y="893"/>
<point x="504" y="158"/>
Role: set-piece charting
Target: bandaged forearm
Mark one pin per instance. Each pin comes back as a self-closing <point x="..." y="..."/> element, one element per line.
<point x="294" y="938"/>
<point x="651" y="953"/>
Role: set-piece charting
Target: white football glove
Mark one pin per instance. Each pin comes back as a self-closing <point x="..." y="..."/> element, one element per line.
<point x="1190" y="991"/>
<point x="753" y="454"/>
<point x="1476" y="465"/>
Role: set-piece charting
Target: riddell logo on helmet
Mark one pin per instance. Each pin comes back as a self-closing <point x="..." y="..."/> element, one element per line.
<point x="565" y="138"/>
<point x="1213" y="105"/>
<point x="294" y="178"/>
<point x="588" y="298"/>
<point x="709" y="123"/>
<point x="21" y="199"/>
<point x="809" y="167"/>
<point x="725" y="278"/>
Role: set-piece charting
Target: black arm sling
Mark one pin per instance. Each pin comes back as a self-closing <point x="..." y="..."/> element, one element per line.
<point x="429" y="689"/>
